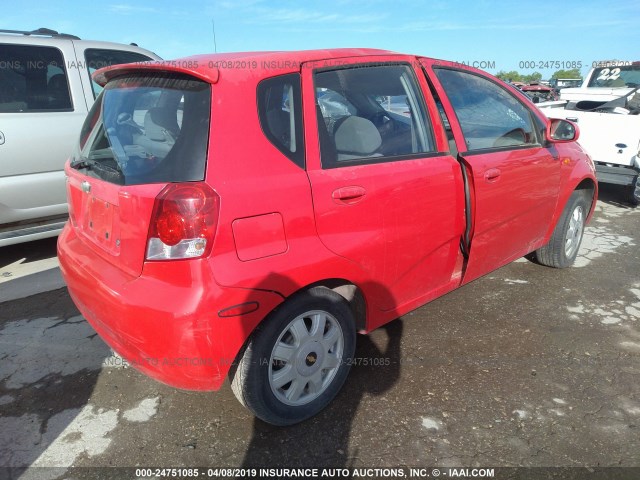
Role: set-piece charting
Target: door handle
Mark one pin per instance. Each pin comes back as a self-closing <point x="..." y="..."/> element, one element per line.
<point x="348" y="195"/>
<point x="492" y="174"/>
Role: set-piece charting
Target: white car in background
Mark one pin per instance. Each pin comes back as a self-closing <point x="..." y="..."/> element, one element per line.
<point x="607" y="109"/>
<point x="45" y="93"/>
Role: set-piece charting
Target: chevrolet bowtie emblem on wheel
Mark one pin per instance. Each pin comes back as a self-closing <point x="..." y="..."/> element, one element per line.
<point x="86" y="187"/>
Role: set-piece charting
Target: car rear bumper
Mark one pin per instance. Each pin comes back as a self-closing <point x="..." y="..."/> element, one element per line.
<point x="171" y="323"/>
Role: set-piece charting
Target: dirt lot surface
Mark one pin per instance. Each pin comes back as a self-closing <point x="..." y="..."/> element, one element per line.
<point x="528" y="366"/>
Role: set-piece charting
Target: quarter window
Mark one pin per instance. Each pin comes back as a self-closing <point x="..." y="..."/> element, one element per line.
<point x="33" y="79"/>
<point x="280" y="112"/>
<point x="490" y="117"/>
<point x="370" y="114"/>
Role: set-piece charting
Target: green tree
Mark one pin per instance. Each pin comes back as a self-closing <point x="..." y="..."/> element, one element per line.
<point x="533" y="77"/>
<point x="514" y="76"/>
<point x="573" y="73"/>
<point x="511" y="76"/>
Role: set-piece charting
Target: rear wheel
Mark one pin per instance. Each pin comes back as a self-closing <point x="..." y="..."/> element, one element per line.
<point x="295" y="363"/>
<point x="562" y="249"/>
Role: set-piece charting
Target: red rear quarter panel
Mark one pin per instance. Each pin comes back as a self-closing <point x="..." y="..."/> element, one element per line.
<point x="257" y="183"/>
<point x="168" y="323"/>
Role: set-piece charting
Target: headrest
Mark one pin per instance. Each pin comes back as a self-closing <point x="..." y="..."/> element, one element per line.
<point x="160" y="124"/>
<point x="357" y="135"/>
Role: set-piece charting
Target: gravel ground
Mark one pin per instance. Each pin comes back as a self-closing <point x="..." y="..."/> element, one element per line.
<point x="528" y="366"/>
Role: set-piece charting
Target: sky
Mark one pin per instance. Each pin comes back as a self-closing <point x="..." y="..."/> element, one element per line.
<point x="524" y="36"/>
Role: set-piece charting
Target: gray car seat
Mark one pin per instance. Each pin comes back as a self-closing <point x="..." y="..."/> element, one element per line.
<point x="357" y="137"/>
<point x="160" y="132"/>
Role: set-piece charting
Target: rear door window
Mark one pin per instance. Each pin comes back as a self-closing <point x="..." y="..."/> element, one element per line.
<point x="33" y="79"/>
<point x="370" y="114"/>
<point x="147" y="128"/>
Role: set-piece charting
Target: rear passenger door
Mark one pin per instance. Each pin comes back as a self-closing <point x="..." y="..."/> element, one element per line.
<point x="386" y="193"/>
<point x="515" y="178"/>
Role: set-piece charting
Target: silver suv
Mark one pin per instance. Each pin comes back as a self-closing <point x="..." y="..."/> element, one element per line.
<point x="45" y="93"/>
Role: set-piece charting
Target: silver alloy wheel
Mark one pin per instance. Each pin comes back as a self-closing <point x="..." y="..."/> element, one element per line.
<point x="574" y="233"/>
<point x="306" y="358"/>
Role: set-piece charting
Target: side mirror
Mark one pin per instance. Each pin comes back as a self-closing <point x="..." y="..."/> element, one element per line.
<point x="560" y="131"/>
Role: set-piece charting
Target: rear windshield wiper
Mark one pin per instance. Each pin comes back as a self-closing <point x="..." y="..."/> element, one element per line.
<point x="97" y="156"/>
<point x="83" y="163"/>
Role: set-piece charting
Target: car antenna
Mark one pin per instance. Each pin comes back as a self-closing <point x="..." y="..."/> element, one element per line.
<point x="213" y="30"/>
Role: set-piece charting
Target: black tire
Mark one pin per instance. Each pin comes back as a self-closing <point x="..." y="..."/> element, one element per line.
<point x="563" y="247"/>
<point x="313" y="358"/>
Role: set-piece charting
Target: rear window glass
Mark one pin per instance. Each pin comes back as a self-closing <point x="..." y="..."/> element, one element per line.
<point x="149" y="128"/>
<point x="611" y="77"/>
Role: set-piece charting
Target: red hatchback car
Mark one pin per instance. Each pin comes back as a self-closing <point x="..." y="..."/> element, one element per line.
<point x="244" y="215"/>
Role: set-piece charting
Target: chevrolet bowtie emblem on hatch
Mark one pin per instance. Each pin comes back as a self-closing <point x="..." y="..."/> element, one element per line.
<point x="86" y="187"/>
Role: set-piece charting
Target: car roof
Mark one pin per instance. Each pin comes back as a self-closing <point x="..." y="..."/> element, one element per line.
<point x="262" y="64"/>
<point x="298" y="56"/>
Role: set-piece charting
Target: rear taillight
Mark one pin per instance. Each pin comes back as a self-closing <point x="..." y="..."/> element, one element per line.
<point x="183" y="222"/>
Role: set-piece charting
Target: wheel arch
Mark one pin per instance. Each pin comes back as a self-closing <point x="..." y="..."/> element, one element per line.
<point x="353" y="295"/>
<point x="276" y="374"/>
<point x="587" y="184"/>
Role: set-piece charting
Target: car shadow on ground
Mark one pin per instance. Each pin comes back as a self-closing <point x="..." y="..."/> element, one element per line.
<point x="28" y="252"/>
<point x="49" y="366"/>
<point x="614" y="195"/>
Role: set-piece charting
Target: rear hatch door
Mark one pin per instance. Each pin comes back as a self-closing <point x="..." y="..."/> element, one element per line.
<point x="148" y="128"/>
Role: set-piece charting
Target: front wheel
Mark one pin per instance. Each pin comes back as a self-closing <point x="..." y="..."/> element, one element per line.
<point x="562" y="249"/>
<point x="295" y="363"/>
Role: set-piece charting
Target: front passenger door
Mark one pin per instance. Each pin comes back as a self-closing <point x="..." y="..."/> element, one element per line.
<point x="515" y="178"/>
